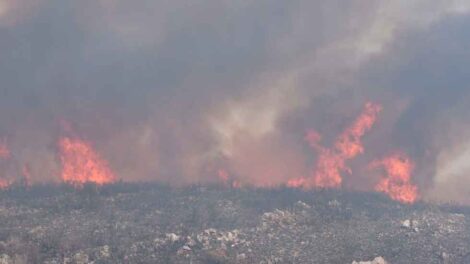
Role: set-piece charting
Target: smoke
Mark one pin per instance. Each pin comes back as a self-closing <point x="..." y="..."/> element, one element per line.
<point x="176" y="91"/>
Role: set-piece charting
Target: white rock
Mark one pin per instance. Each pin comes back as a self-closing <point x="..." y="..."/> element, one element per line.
<point x="172" y="237"/>
<point x="5" y="259"/>
<point x="334" y="203"/>
<point x="445" y="257"/>
<point x="410" y="224"/>
<point x="105" y="252"/>
<point x="185" y="247"/>
<point x="81" y="258"/>
<point x="241" y="257"/>
<point x="190" y="241"/>
<point x="377" y="260"/>
<point x="302" y="205"/>
<point x="406" y="223"/>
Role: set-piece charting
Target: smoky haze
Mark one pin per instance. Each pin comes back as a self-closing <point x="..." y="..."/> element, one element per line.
<point x="177" y="91"/>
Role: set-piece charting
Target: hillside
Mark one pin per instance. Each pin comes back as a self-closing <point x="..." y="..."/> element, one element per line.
<point x="130" y="223"/>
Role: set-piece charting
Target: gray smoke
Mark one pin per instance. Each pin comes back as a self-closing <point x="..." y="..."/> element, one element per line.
<point x="176" y="90"/>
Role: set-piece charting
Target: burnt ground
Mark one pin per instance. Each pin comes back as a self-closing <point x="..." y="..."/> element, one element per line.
<point x="149" y="223"/>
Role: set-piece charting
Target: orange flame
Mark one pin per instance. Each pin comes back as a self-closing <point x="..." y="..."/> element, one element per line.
<point x="4" y="184"/>
<point x="225" y="178"/>
<point x="349" y="143"/>
<point x="81" y="164"/>
<point x="4" y="150"/>
<point x="397" y="182"/>
<point x="4" y="154"/>
<point x="332" y="162"/>
<point x="296" y="182"/>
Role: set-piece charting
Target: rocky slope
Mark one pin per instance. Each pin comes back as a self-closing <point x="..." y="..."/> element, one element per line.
<point x="128" y="223"/>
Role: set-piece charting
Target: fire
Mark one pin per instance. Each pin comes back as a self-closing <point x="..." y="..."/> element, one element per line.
<point x="328" y="169"/>
<point x="4" y="154"/>
<point x="4" y="184"/>
<point x="4" y="150"/>
<point x="223" y="176"/>
<point x="226" y="180"/>
<point x="81" y="163"/>
<point x="332" y="162"/>
<point x="349" y="143"/>
<point x="397" y="181"/>
<point x="296" y="182"/>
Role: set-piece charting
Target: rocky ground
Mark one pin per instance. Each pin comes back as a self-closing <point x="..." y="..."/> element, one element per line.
<point x="128" y="223"/>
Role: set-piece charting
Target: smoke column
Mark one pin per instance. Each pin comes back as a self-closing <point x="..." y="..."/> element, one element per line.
<point x="176" y="92"/>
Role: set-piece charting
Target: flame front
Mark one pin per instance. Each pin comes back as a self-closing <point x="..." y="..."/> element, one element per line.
<point x="81" y="163"/>
<point x="397" y="181"/>
<point x="332" y="162"/>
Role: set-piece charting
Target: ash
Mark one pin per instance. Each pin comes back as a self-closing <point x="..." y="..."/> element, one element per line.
<point x="149" y="223"/>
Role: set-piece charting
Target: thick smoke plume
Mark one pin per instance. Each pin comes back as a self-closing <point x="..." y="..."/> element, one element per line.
<point x="224" y="91"/>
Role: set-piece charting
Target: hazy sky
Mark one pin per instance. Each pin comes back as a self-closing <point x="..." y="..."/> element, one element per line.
<point x="173" y="90"/>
